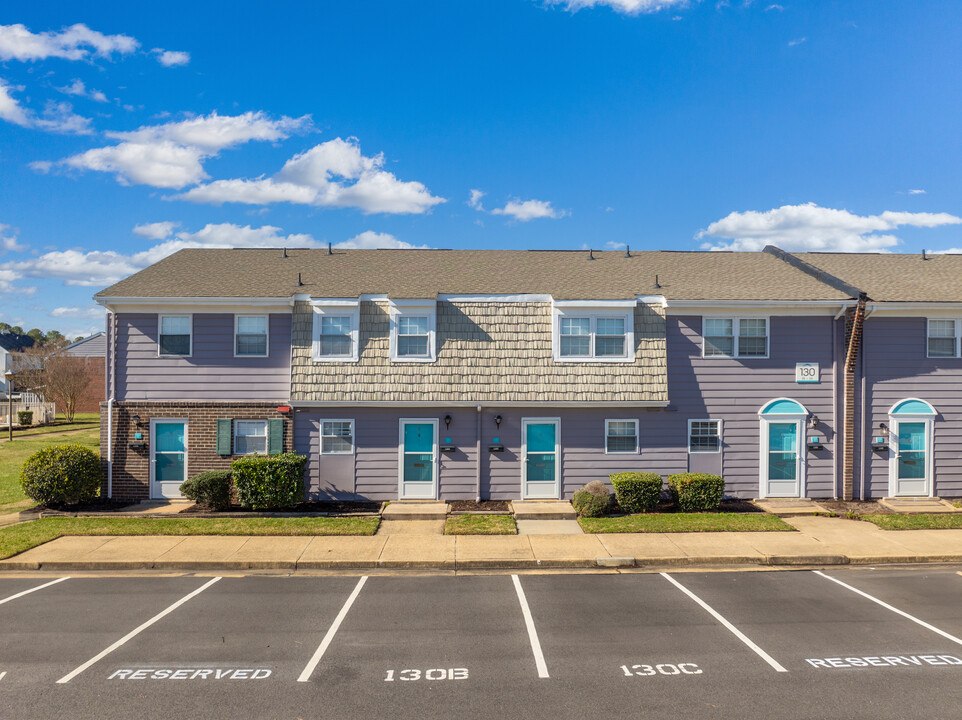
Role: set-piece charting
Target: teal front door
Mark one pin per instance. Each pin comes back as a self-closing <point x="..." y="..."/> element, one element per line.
<point x="782" y="459"/>
<point x="912" y="462"/>
<point x="168" y="457"/>
<point x="540" y="461"/>
<point x="419" y="460"/>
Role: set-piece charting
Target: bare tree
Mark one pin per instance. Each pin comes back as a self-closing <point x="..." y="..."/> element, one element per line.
<point x="62" y="379"/>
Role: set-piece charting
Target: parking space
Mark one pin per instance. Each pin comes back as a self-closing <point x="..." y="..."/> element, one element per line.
<point x="679" y="644"/>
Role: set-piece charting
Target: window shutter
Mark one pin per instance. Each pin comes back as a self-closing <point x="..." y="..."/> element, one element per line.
<point x="275" y="436"/>
<point x="223" y="436"/>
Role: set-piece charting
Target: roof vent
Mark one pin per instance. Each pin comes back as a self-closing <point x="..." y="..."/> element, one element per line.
<point x="299" y="283"/>
<point x="591" y="254"/>
<point x="329" y="250"/>
<point x="627" y="251"/>
<point x="285" y="253"/>
<point x="657" y="284"/>
<point x="924" y="256"/>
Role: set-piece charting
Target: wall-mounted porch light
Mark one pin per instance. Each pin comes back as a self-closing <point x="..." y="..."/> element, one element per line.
<point x="447" y="421"/>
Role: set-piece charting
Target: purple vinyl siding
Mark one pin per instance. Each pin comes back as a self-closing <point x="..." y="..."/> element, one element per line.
<point x="896" y="368"/>
<point x="734" y="390"/>
<point x="212" y="372"/>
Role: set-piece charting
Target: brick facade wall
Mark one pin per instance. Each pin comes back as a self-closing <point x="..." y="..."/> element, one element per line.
<point x="131" y="468"/>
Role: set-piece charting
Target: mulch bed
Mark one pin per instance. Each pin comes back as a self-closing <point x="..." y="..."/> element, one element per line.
<point x="856" y="507"/>
<point x="327" y="508"/>
<point x="464" y="506"/>
<point x="727" y="506"/>
<point x="98" y="505"/>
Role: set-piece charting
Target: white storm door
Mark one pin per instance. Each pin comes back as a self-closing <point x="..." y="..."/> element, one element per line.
<point x="781" y="459"/>
<point x="541" y="458"/>
<point x="911" y="457"/>
<point x="168" y="457"/>
<point x="418" y="459"/>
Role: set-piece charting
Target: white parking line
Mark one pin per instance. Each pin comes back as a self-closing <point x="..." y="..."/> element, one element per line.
<point x="133" y="633"/>
<point x="305" y="675"/>
<point x="532" y="632"/>
<point x="39" y="587"/>
<point x="734" y="630"/>
<point x="914" y="619"/>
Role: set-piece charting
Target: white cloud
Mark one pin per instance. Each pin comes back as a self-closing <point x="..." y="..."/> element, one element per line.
<point x="370" y="240"/>
<point x="797" y="41"/>
<point x="78" y="88"/>
<point x="529" y="210"/>
<point x="157" y="230"/>
<point x="810" y="227"/>
<point x="76" y="42"/>
<point x="10" y="109"/>
<point x="774" y="6"/>
<point x="332" y="174"/>
<point x="628" y="7"/>
<point x="916" y="192"/>
<point x="8" y="239"/>
<point x="612" y="245"/>
<point x="171" y="58"/>
<point x="95" y="313"/>
<point x="7" y="280"/>
<point x="475" y="200"/>
<point x="60" y="117"/>
<point x="171" y="155"/>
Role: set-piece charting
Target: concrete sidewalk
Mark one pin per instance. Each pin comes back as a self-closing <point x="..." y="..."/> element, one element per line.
<point x="819" y="541"/>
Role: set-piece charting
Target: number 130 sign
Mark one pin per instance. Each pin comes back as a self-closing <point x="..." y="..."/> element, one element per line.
<point x="806" y="372"/>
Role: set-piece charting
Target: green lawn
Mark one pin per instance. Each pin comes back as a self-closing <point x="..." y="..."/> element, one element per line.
<point x="916" y="522"/>
<point x="685" y="522"/>
<point x="13" y="454"/>
<point x="480" y="525"/>
<point x="81" y="421"/>
<point x="17" y="538"/>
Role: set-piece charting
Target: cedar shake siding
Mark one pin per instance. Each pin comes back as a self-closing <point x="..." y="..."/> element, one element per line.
<point x="733" y="390"/>
<point x="486" y="352"/>
<point x="896" y="368"/>
<point x="211" y="372"/>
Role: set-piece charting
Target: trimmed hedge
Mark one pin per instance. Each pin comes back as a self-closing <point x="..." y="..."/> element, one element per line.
<point x="211" y="488"/>
<point x="24" y="418"/>
<point x="637" y="492"/>
<point x="269" y="481"/>
<point x="593" y="500"/>
<point x="62" y="475"/>
<point x="696" y="492"/>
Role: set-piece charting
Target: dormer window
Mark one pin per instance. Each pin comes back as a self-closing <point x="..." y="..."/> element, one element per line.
<point x="413" y="330"/>
<point x="594" y="331"/>
<point x="336" y="329"/>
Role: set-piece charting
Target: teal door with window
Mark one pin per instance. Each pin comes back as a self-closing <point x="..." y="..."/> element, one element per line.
<point x="783" y="458"/>
<point x="540" y="461"/>
<point x="911" y="476"/>
<point x="418" y="460"/>
<point x="168" y="458"/>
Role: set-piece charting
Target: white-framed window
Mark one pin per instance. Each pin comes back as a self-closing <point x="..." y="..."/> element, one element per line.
<point x="413" y="331"/>
<point x="739" y="337"/>
<point x="336" y="330"/>
<point x="943" y="338"/>
<point x="250" y="437"/>
<point x="174" y="337"/>
<point x="704" y="436"/>
<point x="250" y="335"/>
<point x="594" y="331"/>
<point x="621" y="437"/>
<point x="337" y="437"/>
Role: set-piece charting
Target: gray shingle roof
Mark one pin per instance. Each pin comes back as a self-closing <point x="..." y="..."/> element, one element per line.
<point x="426" y="273"/>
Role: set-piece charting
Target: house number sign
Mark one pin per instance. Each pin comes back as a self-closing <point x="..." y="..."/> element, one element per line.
<point x="806" y="372"/>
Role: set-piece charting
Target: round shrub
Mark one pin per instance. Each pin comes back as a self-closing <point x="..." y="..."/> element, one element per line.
<point x="268" y="482"/>
<point x="24" y="418"/>
<point x="593" y="500"/>
<point x="62" y="475"/>
<point x="211" y="488"/>
<point x="696" y="492"/>
<point x="637" y="492"/>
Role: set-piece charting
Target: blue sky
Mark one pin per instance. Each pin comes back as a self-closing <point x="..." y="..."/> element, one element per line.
<point x="130" y="130"/>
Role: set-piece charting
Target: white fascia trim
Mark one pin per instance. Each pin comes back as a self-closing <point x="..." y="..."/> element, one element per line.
<point x="472" y="404"/>
<point x="281" y="302"/>
<point x="938" y="310"/>
<point x="652" y="300"/>
<point x="505" y="298"/>
<point x="334" y="302"/>
<point x="599" y="304"/>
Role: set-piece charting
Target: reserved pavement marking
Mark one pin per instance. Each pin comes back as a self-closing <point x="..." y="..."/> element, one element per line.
<point x="904" y="614"/>
<point x="305" y="675"/>
<point x="532" y="632"/>
<point x="734" y="630"/>
<point x="884" y="661"/>
<point x="191" y="674"/>
<point x="39" y="587"/>
<point x="133" y="633"/>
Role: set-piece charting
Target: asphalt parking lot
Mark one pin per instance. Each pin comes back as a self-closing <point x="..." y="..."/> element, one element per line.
<point x="790" y="644"/>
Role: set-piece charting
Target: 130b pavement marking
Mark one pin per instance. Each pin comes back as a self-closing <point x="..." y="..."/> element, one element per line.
<point x="305" y="675"/>
<point x="31" y="590"/>
<point x="734" y="630"/>
<point x="133" y="633"/>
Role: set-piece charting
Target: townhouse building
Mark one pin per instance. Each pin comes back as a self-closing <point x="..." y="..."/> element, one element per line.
<point x="464" y="374"/>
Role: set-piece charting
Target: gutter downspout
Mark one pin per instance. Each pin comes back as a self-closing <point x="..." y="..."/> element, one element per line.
<point x="861" y="427"/>
<point x="477" y="449"/>
<point x="110" y="404"/>
<point x="839" y="436"/>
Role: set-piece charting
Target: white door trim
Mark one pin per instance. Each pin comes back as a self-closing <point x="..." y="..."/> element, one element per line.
<point x="801" y="422"/>
<point x="524" y="453"/>
<point x="400" y="458"/>
<point x="894" y="421"/>
<point x="154" y="494"/>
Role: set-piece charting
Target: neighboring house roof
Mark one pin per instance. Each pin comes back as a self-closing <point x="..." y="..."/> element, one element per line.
<point x="91" y="346"/>
<point x="891" y="277"/>
<point x="12" y="341"/>
<point x="409" y="274"/>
